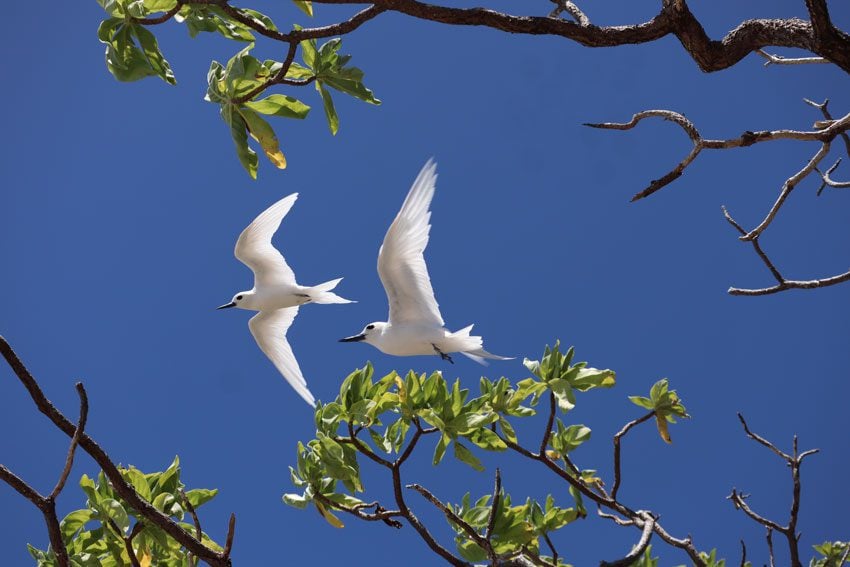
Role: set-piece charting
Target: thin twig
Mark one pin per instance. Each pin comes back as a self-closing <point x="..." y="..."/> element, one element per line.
<point x="494" y="505"/>
<point x="743" y="554"/>
<point x="826" y="180"/>
<point x="75" y="440"/>
<point x="455" y="519"/>
<point x="780" y="60"/>
<point x="620" y="434"/>
<point x="769" y="537"/>
<point x="380" y="513"/>
<point x="231" y="532"/>
<point x="824" y="108"/>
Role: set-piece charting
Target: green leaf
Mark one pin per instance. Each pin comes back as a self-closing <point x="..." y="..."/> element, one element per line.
<point x="280" y="105"/>
<point x="465" y="455"/>
<point x="239" y="132"/>
<point x="260" y="17"/>
<point x="296" y="500"/>
<point x="645" y="403"/>
<point x="305" y="6"/>
<point x="72" y="523"/>
<point x="154" y="56"/>
<point x="330" y="111"/>
<point x="159" y="5"/>
<point x="116" y="512"/>
<point x="200" y="496"/>
<point x="440" y="449"/>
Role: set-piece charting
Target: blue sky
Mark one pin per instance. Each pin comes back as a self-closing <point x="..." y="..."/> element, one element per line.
<point x="122" y="202"/>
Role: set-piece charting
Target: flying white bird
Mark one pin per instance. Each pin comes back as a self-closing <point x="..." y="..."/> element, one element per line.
<point x="276" y="295"/>
<point x="415" y="325"/>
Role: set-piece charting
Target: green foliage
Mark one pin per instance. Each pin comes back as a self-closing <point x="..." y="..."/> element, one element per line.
<point x="132" y="53"/>
<point x="328" y="68"/>
<point x="383" y="419"/>
<point x="834" y="554"/>
<point x="515" y="528"/>
<point x="94" y="535"/>
<point x="665" y="404"/>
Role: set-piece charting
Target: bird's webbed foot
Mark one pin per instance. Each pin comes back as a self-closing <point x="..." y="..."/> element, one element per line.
<point x="443" y="355"/>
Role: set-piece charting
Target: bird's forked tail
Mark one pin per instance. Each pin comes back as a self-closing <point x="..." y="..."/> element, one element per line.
<point x="322" y="293"/>
<point x="472" y="347"/>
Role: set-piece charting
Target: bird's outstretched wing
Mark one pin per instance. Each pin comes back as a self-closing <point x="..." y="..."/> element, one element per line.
<point x="401" y="264"/>
<point x="254" y="247"/>
<point x="269" y="330"/>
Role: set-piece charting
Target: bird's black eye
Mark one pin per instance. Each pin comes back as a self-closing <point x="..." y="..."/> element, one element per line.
<point x="370" y="326"/>
<point x="238" y="298"/>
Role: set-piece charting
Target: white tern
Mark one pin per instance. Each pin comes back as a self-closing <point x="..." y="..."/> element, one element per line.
<point x="276" y="295"/>
<point x="415" y="325"/>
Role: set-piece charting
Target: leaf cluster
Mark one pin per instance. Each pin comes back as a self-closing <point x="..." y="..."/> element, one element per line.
<point x="96" y="536"/>
<point x="132" y="53"/>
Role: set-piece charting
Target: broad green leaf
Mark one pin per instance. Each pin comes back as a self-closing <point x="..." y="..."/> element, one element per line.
<point x="280" y="105"/>
<point x="663" y="430"/>
<point x="239" y="132"/>
<point x="159" y="5"/>
<point x="260" y="17"/>
<point x="154" y="56"/>
<point x="645" y="403"/>
<point x="73" y="522"/>
<point x="200" y="496"/>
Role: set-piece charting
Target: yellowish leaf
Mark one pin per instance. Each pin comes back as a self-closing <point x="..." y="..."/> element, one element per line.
<point x="331" y="519"/>
<point x="262" y="131"/>
<point x="402" y="393"/>
<point x="662" y="428"/>
<point x="554" y="455"/>
<point x="146" y="558"/>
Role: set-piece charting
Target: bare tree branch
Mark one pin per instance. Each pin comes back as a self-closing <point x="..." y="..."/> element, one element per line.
<point x="769" y="537"/>
<point x="637" y="550"/>
<point x="780" y="60"/>
<point x="828" y="181"/>
<point x="794" y="461"/>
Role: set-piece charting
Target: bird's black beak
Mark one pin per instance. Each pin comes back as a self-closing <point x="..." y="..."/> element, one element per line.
<point x="226" y="305"/>
<point x="353" y="339"/>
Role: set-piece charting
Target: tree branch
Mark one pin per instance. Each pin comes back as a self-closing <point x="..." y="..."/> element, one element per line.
<point x="773" y="59"/>
<point x="455" y="519"/>
<point x="75" y="440"/>
<point x="143" y="507"/>
<point x="790" y="530"/>
<point x="637" y="550"/>
<point x="674" y="18"/>
<point x="620" y="434"/>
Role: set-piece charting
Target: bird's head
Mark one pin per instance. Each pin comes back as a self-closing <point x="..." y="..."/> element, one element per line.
<point x="242" y="300"/>
<point x="369" y="334"/>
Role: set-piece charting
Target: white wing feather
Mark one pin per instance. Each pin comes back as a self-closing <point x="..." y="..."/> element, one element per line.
<point x="269" y="330"/>
<point x="401" y="264"/>
<point x="254" y="247"/>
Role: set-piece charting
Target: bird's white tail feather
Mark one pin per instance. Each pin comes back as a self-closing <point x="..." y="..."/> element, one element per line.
<point x="321" y="293"/>
<point x="472" y="346"/>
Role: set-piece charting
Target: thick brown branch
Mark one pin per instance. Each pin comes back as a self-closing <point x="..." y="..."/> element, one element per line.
<point x="674" y="18"/>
